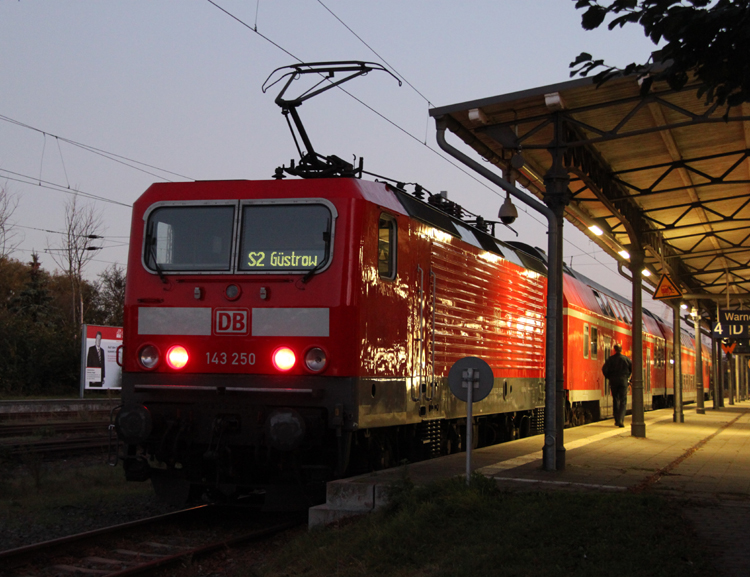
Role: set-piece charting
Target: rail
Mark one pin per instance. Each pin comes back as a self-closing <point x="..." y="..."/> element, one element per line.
<point x="143" y="546"/>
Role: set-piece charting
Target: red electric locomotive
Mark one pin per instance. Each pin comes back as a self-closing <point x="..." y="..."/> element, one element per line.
<point x="286" y="330"/>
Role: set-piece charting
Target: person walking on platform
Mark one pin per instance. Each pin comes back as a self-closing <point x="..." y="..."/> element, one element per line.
<point x="617" y="369"/>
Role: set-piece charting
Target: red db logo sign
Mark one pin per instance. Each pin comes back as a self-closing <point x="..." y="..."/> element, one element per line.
<point x="231" y="322"/>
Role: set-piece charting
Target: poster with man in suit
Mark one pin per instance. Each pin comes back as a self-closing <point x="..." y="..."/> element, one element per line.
<point x="95" y="360"/>
<point x="99" y="366"/>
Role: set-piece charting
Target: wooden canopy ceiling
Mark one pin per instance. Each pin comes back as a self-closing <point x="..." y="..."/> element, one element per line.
<point x="666" y="169"/>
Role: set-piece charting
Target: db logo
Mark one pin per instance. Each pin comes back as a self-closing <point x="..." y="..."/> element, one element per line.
<point x="231" y="321"/>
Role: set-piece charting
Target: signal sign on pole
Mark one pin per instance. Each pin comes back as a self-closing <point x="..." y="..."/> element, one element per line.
<point x="728" y="348"/>
<point x="667" y="289"/>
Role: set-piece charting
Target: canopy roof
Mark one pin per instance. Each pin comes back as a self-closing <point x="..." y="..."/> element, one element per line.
<point x="665" y="171"/>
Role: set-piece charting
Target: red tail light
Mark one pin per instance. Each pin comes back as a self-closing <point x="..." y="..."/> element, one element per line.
<point x="284" y="359"/>
<point x="177" y="357"/>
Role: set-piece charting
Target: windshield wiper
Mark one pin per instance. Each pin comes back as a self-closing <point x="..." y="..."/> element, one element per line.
<point x="327" y="239"/>
<point x="151" y="243"/>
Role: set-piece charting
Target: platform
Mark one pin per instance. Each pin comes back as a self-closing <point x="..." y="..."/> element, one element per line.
<point x="705" y="459"/>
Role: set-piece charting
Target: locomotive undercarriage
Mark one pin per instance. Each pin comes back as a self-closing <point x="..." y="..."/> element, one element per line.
<point x="228" y="441"/>
<point x="385" y="447"/>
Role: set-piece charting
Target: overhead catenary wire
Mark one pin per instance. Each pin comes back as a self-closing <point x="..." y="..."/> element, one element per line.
<point x="358" y="37"/>
<point x="58" y="187"/>
<point x="393" y="123"/>
<point x="97" y="236"/>
<point x="35" y="251"/>
<point x="124" y="160"/>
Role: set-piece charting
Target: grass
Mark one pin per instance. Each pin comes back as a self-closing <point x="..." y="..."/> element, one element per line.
<point x="447" y="529"/>
<point x="36" y="492"/>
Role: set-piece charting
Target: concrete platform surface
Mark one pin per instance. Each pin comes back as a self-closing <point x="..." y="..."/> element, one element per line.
<point x="705" y="460"/>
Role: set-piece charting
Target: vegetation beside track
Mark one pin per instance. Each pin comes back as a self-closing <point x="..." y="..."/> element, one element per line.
<point x="42" y="500"/>
<point x="446" y="529"/>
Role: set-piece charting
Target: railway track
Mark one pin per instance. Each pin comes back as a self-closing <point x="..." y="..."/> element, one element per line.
<point x="42" y="410"/>
<point x="53" y="428"/>
<point x="55" y="448"/>
<point x="48" y="429"/>
<point x="145" y="546"/>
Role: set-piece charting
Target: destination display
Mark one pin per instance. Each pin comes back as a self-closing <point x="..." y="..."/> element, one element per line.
<point x="285" y="237"/>
<point x="284" y="259"/>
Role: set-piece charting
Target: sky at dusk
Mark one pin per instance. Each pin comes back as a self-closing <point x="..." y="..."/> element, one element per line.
<point x="107" y="97"/>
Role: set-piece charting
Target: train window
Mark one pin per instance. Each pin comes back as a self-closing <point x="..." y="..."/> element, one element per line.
<point x="285" y="237"/>
<point x="510" y="255"/>
<point x="616" y="308"/>
<point x="586" y="341"/>
<point x="467" y="235"/>
<point x="594" y="342"/>
<point x="189" y="238"/>
<point x="604" y="305"/>
<point x="387" y="246"/>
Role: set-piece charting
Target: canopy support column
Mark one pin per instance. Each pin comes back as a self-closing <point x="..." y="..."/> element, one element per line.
<point x="557" y="197"/>
<point x="679" y="416"/>
<point x="638" y="424"/>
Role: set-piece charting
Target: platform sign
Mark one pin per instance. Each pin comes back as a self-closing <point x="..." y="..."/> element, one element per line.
<point x="732" y="325"/>
<point x="728" y="347"/>
<point x="471" y="380"/>
<point x="667" y="289"/>
<point x="480" y="376"/>
<point x="99" y="366"/>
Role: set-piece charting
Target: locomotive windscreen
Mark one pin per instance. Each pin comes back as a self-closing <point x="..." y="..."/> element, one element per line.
<point x="289" y="237"/>
<point x="189" y="238"/>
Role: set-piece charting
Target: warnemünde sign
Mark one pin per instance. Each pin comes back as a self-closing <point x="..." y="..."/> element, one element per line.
<point x="732" y="325"/>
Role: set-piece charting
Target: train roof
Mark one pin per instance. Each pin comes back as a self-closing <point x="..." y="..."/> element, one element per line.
<point x="435" y="216"/>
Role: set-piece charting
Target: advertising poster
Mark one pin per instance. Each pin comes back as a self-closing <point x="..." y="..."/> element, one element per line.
<point x="99" y="368"/>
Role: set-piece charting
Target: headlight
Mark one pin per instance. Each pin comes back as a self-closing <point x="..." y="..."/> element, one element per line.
<point x="149" y="357"/>
<point x="315" y="359"/>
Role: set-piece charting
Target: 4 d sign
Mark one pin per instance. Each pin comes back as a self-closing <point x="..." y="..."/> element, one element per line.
<point x="231" y="322"/>
<point x="732" y="325"/>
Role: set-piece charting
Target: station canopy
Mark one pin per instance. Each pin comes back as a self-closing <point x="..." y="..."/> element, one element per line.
<point x="666" y="171"/>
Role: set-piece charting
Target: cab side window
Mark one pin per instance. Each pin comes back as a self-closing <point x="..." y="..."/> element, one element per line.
<point x="594" y="342"/>
<point x="387" y="246"/>
<point x="586" y="341"/>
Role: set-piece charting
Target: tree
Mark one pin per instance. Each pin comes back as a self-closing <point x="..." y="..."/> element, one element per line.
<point x="705" y="40"/>
<point x="109" y="299"/>
<point x="38" y="349"/>
<point x="8" y="237"/>
<point x="72" y="254"/>
<point x="33" y="301"/>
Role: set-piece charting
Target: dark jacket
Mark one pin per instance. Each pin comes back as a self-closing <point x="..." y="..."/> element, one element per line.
<point x="96" y="359"/>
<point x="617" y="369"/>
